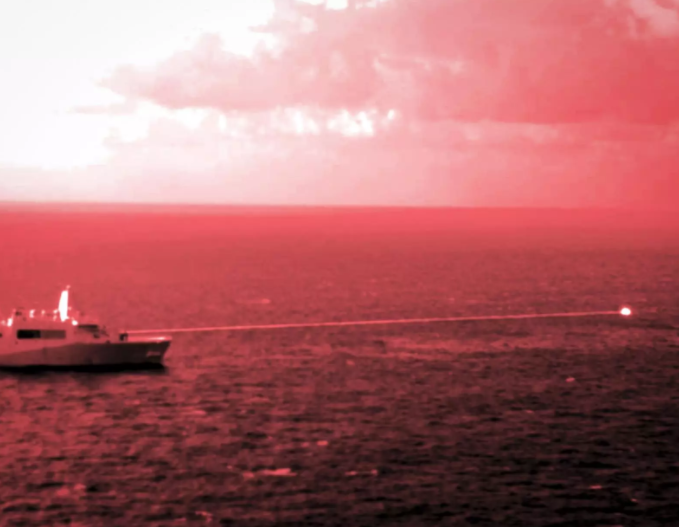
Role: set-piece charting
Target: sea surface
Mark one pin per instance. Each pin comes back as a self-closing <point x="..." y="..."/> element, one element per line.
<point x="538" y="422"/>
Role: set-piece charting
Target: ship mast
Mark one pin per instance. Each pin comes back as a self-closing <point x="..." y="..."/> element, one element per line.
<point x="63" y="305"/>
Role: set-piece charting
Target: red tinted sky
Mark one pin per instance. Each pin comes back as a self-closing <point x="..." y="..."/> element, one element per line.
<point x="403" y="102"/>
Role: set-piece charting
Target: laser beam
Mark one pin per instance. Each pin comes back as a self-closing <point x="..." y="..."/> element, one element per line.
<point x="622" y="312"/>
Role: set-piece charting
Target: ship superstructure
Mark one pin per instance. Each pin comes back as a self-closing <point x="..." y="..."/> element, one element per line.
<point x="64" y="337"/>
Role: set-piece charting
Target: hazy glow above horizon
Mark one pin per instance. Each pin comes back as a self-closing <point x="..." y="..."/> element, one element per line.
<point x="56" y="61"/>
<point x="54" y="54"/>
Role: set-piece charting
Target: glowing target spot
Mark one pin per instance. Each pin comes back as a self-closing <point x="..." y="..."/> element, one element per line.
<point x="625" y="311"/>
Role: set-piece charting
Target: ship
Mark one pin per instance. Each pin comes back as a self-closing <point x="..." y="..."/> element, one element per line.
<point x="66" y="338"/>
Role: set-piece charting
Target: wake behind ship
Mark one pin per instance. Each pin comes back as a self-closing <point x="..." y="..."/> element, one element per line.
<point x="64" y="338"/>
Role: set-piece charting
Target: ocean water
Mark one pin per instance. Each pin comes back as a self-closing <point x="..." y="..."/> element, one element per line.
<point x="533" y="422"/>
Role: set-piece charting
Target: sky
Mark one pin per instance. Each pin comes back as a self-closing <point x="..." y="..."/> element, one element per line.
<point x="341" y="102"/>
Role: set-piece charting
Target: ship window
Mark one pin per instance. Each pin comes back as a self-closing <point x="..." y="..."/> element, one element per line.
<point x="88" y="328"/>
<point x="28" y="334"/>
<point x="41" y="334"/>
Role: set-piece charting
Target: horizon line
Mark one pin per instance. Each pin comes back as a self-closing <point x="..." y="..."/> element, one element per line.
<point x="21" y="204"/>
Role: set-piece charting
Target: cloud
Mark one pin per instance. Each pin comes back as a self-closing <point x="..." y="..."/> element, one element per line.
<point x="208" y="76"/>
<point x="509" y="60"/>
<point x="464" y="102"/>
<point x="500" y="102"/>
<point x="661" y="21"/>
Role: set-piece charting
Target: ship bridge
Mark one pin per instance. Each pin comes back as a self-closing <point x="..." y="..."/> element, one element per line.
<point x="62" y="323"/>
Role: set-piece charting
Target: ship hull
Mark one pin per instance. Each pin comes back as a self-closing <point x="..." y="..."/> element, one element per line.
<point x="85" y="354"/>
